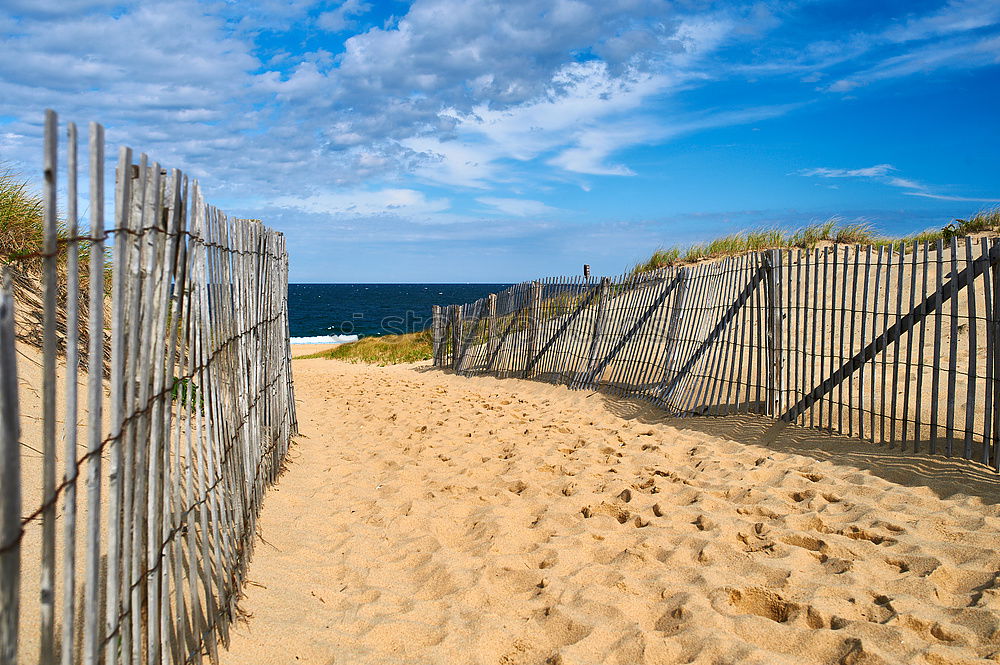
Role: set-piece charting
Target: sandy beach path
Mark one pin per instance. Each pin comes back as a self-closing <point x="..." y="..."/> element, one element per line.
<point x="429" y="518"/>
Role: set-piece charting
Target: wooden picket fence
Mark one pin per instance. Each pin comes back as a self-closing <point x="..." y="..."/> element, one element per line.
<point x="137" y="550"/>
<point x="896" y="345"/>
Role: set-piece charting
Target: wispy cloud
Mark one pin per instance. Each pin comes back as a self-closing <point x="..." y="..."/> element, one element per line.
<point x="517" y="207"/>
<point x="877" y="171"/>
<point x="883" y="173"/>
<point x="366" y="203"/>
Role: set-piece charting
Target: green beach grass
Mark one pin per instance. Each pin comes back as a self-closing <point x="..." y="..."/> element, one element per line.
<point x="830" y="231"/>
<point x="381" y="350"/>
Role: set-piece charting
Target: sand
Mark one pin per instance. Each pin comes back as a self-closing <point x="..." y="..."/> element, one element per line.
<point x="309" y="349"/>
<point x="430" y="518"/>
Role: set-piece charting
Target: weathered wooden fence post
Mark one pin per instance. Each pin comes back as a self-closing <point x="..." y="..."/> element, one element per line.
<point x="773" y="313"/>
<point x="584" y="378"/>
<point x="436" y="330"/>
<point x="534" y="321"/>
<point x="672" y="338"/>
<point x="456" y="335"/>
<point x="10" y="480"/>
<point x="491" y="317"/>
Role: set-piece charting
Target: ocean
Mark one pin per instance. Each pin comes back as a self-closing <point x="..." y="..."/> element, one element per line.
<point x="331" y="313"/>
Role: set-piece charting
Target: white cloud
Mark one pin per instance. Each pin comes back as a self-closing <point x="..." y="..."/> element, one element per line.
<point x="339" y="19"/>
<point x="954" y="17"/>
<point x="517" y="207"/>
<point x="868" y="172"/>
<point x="959" y="53"/>
<point x="883" y="173"/>
<point x="362" y="203"/>
<point x="944" y="197"/>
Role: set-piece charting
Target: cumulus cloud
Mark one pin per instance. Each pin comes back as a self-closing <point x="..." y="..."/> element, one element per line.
<point x="342" y="18"/>
<point x="267" y="98"/>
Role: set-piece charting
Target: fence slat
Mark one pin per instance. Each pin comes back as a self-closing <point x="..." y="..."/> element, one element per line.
<point x="822" y="332"/>
<point x="952" y="354"/>
<point x="10" y="479"/>
<point x="70" y="464"/>
<point x="971" y="392"/>
<point x="188" y="456"/>
<point x="50" y="286"/>
<point x="95" y="399"/>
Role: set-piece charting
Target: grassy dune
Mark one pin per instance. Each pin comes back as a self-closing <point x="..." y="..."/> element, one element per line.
<point x="831" y="231"/>
<point x="382" y="350"/>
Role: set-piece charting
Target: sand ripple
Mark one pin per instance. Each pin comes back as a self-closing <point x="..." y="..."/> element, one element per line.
<point x="428" y="518"/>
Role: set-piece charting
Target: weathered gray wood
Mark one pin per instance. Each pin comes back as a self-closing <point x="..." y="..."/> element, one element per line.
<point x="534" y="323"/>
<point x="829" y="301"/>
<point x="742" y="320"/>
<point x="936" y="364"/>
<point x="972" y="388"/>
<point x="710" y="380"/>
<point x="773" y="314"/>
<point x="673" y="340"/>
<point x="436" y="334"/>
<point x="719" y="371"/>
<point x="167" y="597"/>
<point x="841" y="333"/>
<point x="741" y="300"/>
<point x="886" y="387"/>
<point x="990" y="337"/>
<point x="814" y="314"/>
<point x="649" y="305"/>
<point x="116" y="401"/>
<point x="918" y="410"/>
<point x="50" y="285"/>
<point x="894" y="416"/>
<point x="891" y="336"/>
<point x="95" y="400"/>
<point x="695" y="345"/>
<point x="491" y="324"/>
<point x="952" y="355"/>
<point x="601" y="296"/>
<point x="855" y="286"/>
<point x="908" y="365"/>
<point x="456" y="335"/>
<point x="994" y="276"/>
<point x="862" y="416"/>
<point x="10" y="480"/>
<point x="761" y="354"/>
<point x="70" y="465"/>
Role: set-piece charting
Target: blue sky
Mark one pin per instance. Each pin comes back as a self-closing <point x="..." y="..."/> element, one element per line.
<point x="497" y="141"/>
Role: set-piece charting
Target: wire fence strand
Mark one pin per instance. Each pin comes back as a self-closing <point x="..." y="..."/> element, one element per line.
<point x="178" y="436"/>
<point x="885" y="345"/>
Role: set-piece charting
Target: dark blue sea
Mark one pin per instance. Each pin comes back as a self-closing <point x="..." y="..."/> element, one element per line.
<point x="339" y="312"/>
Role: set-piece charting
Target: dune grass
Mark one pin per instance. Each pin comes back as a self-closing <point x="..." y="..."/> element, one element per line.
<point x="382" y="350"/>
<point x="20" y="218"/>
<point x="831" y="231"/>
<point x="22" y="231"/>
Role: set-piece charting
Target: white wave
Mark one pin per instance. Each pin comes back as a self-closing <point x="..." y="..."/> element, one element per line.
<point x="324" y="339"/>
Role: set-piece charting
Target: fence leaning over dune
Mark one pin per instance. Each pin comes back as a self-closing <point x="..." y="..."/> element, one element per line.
<point x="894" y="344"/>
<point x="136" y="552"/>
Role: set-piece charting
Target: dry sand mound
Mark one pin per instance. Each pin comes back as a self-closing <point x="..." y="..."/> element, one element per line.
<point x="428" y="518"/>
